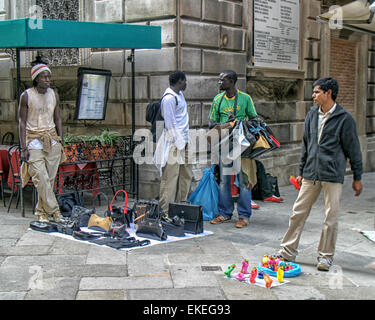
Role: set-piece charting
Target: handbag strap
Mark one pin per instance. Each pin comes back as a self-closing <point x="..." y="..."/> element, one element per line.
<point x="126" y="200"/>
<point x="100" y="194"/>
<point x="234" y="107"/>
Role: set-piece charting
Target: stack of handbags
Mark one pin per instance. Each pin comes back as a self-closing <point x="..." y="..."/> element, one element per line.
<point x="152" y="223"/>
<point x="260" y="136"/>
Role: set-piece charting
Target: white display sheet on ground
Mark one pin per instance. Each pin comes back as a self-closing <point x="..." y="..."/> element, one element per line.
<point x="131" y="232"/>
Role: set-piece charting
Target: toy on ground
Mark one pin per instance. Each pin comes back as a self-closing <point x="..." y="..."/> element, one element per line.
<point x="274" y="263"/>
<point x="280" y="274"/>
<point x="240" y="276"/>
<point x="267" y="280"/>
<point x="229" y="270"/>
<point x="253" y="275"/>
<point x="245" y="265"/>
<point x="260" y="274"/>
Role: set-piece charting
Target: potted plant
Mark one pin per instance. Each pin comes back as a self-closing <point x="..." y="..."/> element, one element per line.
<point x="89" y="147"/>
<point x="70" y="147"/>
<point x="109" y="141"/>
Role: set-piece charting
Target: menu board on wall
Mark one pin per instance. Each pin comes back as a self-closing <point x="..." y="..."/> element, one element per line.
<point x="276" y="33"/>
<point x="93" y="86"/>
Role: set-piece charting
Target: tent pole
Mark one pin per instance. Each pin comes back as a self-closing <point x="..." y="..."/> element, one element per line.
<point x="18" y="65"/>
<point x="18" y="93"/>
<point x="135" y="166"/>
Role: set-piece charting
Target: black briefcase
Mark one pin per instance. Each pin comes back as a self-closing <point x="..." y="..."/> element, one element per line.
<point x="192" y="215"/>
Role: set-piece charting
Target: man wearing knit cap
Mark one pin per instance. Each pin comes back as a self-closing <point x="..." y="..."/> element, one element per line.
<point x="41" y="139"/>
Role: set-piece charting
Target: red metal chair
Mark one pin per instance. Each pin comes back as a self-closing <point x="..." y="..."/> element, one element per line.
<point x="14" y="180"/>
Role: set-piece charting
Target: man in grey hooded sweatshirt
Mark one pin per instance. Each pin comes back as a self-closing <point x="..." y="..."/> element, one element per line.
<point x="329" y="139"/>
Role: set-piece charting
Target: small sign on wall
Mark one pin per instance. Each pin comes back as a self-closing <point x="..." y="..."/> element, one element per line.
<point x="276" y="33"/>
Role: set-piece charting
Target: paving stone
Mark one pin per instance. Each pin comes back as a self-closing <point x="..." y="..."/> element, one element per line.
<point x="54" y="289"/>
<point x="147" y="264"/>
<point x="47" y="260"/>
<point x="101" y="295"/>
<point x="105" y="255"/>
<point x="12" y="295"/>
<point x="113" y="283"/>
<point x="36" y="238"/>
<point x="192" y="276"/>
<point x="12" y="231"/>
<point x="200" y="293"/>
<point x="24" y="250"/>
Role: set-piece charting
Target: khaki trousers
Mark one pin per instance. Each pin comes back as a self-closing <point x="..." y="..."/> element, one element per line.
<point x="43" y="168"/>
<point x="175" y="180"/>
<point x="307" y="196"/>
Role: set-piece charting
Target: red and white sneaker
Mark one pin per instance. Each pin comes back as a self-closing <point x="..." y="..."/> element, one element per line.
<point x="254" y="205"/>
<point x="273" y="199"/>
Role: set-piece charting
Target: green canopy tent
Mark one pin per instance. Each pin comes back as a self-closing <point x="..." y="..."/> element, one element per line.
<point x="31" y="34"/>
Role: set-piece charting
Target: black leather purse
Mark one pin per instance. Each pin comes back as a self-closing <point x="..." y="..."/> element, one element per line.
<point x="173" y="226"/>
<point x="151" y="229"/>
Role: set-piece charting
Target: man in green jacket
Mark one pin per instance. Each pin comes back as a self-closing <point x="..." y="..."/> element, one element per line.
<point x="329" y="139"/>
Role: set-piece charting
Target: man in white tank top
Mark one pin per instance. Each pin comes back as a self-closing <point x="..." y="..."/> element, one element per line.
<point x="41" y="138"/>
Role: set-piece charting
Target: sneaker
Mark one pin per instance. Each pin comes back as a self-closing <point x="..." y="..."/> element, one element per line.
<point x="241" y="223"/>
<point x="254" y="205"/>
<point x="324" y="264"/>
<point x="273" y="199"/>
<point x="219" y="219"/>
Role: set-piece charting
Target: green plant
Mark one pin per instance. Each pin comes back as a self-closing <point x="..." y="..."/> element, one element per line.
<point x="88" y="138"/>
<point x="70" y="138"/>
<point x="108" y="137"/>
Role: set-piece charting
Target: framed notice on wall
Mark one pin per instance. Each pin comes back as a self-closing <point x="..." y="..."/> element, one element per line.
<point x="92" y="94"/>
<point x="276" y="33"/>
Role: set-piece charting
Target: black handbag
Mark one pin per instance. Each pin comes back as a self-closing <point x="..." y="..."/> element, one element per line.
<point x="190" y="213"/>
<point x="173" y="226"/>
<point x="151" y="229"/>
<point x="68" y="201"/>
<point x="121" y="215"/>
<point x="43" y="226"/>
<point x="81" y="215"/>
<point x="258" y="128"/>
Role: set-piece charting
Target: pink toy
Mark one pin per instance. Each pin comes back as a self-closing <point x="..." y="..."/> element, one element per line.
<point x="253" y="275"/>
<point x="245" y="265"/>
<point x="240" y="276"/>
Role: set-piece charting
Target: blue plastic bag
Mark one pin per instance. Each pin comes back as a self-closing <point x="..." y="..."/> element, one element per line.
<point x="207" y="194"/>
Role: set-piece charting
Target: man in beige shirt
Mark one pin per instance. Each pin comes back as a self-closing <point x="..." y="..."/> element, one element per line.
<point x="41" y="138"/>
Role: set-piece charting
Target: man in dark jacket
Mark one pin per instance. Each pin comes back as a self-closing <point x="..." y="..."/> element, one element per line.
<point x="329" y="139"/>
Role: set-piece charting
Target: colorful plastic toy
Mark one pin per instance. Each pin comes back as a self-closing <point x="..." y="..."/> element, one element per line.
<point x="268" y="281"/>
<point x="293" y="180"/>
<point x="265" y="259"/>
<point x="253" y="275"/>
<point x="260" y="274"/>
<point x="280" y="274"/>
<point x="245" y="265"/>
<point x="229" y="270"/>
<point x="291" y="269"/>
<point x="240" y="276"/>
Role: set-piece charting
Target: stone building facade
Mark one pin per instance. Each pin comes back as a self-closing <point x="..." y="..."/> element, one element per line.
<point x="201" y="38"/>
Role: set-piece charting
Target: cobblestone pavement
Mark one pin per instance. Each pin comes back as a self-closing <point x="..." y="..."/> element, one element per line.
<point x="39" y="266"/>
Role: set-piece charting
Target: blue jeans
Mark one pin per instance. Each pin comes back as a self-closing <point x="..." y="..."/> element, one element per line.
<point x="226" y="202"/>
